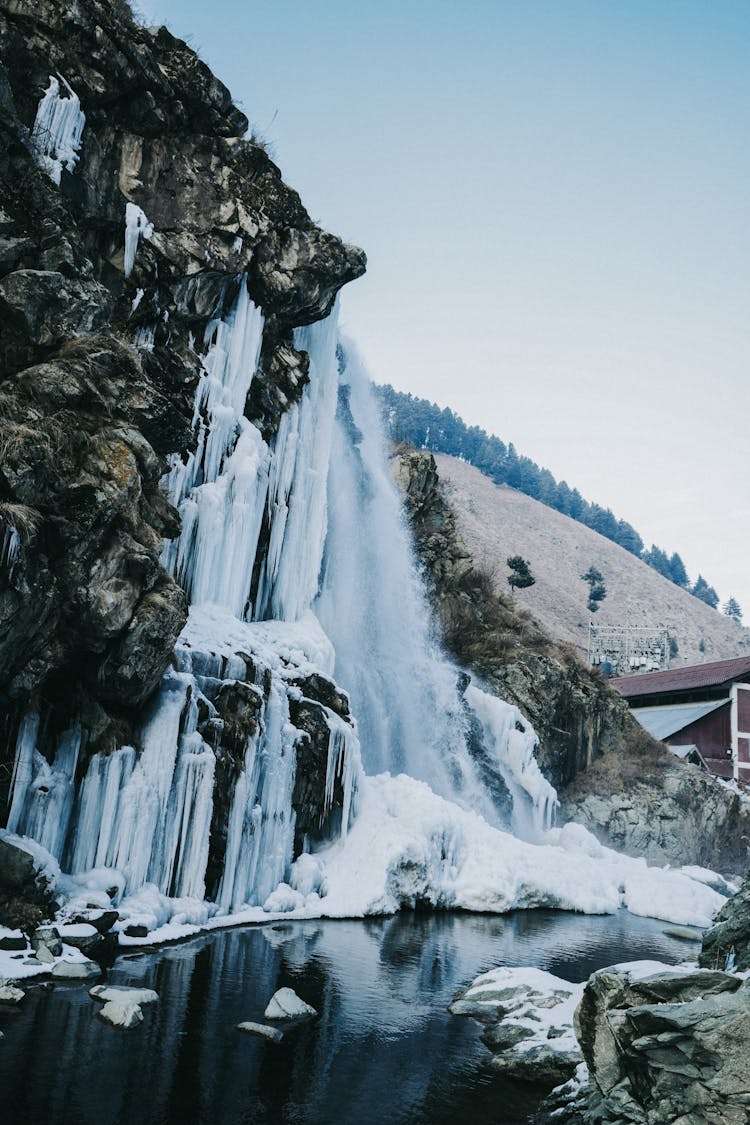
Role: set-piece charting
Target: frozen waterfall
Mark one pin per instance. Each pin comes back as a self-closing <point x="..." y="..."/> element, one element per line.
<point x="298" y="566"/>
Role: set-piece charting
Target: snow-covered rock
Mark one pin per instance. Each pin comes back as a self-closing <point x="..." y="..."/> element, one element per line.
<point x="261" y="1029"/>
<point x="286" y="1005"/>
<point x="528" y="1015"/>
<point x="84" y="969"/>
<point x="10" y="994"/>
<point x="122" y="1005"/>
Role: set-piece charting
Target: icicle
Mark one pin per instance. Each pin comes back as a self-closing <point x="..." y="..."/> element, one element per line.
<point x="58" y="129"/>
<point x="297" y="496"/>
<point x="514" y="743"/>
<point x="10" y="545"/>
<point x="136" y="226"/>
<point x="144" y="337"/>
<point x="344" y="764"/>
<point x="260" y="839"/>
<point x="42" y="794"/>
<point x="220" y="490"/>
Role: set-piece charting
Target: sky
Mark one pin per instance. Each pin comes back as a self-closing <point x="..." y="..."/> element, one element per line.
<point x="553" y="197"/>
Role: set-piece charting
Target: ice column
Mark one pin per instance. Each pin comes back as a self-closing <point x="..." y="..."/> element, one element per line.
<point x="297" y="493"/>
<point x="57" y="130"/>
<point x="136" y="226"/>
<point x="220" y="490"/>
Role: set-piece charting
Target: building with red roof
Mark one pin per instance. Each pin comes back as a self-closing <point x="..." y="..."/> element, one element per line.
<point x="702" y="710"/>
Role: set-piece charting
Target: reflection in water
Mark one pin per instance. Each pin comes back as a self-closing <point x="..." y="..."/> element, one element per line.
<point x="383" y="1050"/>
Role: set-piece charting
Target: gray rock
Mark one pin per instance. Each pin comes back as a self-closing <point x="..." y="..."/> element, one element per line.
<point x="76" y="970"/>
<point x="10" y="942"/>
<point x="46" y="937"/>
<point x="45" y="955"/>
<point x="17" y="867"/>
<point x="729" y="937"/>
<point x="666" y="1048"/>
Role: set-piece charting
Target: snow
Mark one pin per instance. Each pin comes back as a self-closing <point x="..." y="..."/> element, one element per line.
<point x="77" y="930"/>
<point x="122" y="1006"/>
<point x="58" y="129"/>
<point x="20" y="965"/>
<point x="286" y="1005"/>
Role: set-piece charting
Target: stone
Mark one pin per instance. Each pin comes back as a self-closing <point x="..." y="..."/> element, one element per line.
<point x="666" y="1047"/>
<point x="122" y="1006"/>
<point x="528" y="1022"/>
<point x="101" y="920"/>
<point x="729" y="937"/>
<point x="12" y="941"/>
<point x="45" y="955"/>
<point x="47" y="937"/>
<point x="76" y="970"/>
<point x="10" y="993"/>
<point x="17" y="868"/>
<point x="262" y="1029"/>
<point x="285" y="1004"/>
<point x="82" y="936"/>
<point x="136" y="929"/>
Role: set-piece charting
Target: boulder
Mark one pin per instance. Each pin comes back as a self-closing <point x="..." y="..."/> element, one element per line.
<point x="528" y="1018"/>
<point x="666" y="1046"/>
<point x="727" y="943"/>
<point x="122" y="1005"/>
<point x="286" y="1005"/>
<point x="46" y="938"/>
<point x="75" y="970"/>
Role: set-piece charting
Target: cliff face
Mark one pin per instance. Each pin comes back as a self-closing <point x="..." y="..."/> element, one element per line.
<point x="88" y="616"/>
<point x="611" y="776"/>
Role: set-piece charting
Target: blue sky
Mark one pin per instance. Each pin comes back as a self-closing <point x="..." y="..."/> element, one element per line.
<point x="553" y="196"/>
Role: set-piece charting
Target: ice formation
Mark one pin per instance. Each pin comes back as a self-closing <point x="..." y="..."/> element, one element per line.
<point x="58" y="129"/>
<point x="296" y="561"/>
<point x="137" y="226"/>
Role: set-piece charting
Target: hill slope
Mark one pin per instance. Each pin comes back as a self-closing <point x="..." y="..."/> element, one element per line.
<point x="497" y="521"/>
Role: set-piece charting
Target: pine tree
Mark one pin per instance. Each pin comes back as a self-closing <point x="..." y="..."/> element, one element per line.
<point x="732" y="609"/>
<point x="704" y="592"/>
<point x="520" y="577"/>
<point x="597" y="589"/>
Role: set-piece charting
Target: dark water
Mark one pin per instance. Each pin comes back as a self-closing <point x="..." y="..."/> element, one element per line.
<point x="383" y="1050"/>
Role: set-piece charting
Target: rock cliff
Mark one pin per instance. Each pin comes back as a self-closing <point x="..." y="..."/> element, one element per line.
<point x="113" y="262"/>
<point x="611" y="776"/>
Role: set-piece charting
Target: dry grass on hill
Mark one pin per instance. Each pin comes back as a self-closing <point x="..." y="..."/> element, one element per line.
<point x="497" y="521"/>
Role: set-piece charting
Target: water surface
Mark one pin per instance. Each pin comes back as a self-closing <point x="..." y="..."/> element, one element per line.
<point x="384" y="1049"/>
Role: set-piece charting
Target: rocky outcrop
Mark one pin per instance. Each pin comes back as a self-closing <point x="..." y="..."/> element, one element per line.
<point x="662" y="1048"/>
<point x="26" y="891"/>
<point x="727" y="943"/>
<point x="98" y="369"/>
<point x="610" y="775"/>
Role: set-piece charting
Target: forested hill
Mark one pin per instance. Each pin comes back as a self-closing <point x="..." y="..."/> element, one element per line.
<point x="427" y="426"/>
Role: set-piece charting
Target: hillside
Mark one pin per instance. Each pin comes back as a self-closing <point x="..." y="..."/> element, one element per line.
<point x="497" y="521"/>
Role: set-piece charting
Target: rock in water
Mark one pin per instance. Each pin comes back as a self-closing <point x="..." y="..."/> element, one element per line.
<point x="9" y="994"/>
<point x="76" y="970"/>
<point x="122" y="1005"/>
<point x="261" y="1029"/>
<point x="528" y="1015"/>
<point x="286" y="1005"/>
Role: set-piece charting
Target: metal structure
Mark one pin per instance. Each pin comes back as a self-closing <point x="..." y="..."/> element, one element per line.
<point x="622" y="650"/>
